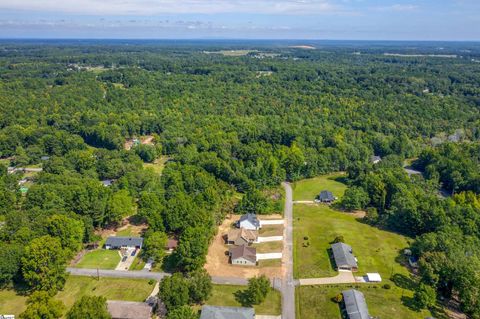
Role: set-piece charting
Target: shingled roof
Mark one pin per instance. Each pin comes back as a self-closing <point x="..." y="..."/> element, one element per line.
<point x="342" y="253"/>
<point x="215" y="312"/>
<point x="252" y="218"/>
<point x="355" y="304"/>
<point x="246" y="234"/>
<point x="118" y="241"/>
<point x="326" y="196"/>
<point x="249" y="253"/>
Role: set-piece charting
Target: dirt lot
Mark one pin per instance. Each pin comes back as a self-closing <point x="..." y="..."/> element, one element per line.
<point x="217" y="258"/>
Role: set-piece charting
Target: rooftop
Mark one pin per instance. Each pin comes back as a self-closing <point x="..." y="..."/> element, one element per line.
<point x="247" y="234"/>
<point x="117" y="241"/>
<point x="249" y="253"/>
<point x="215" y="312"/>
<point x="252" y="218"/>
<point x="343" y="255"/>
<point x="129" y="310"/>
<point x="355" y="304"/>
<point x="326" y="196"/>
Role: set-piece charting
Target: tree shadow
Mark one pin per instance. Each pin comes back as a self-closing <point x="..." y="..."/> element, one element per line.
<point x="404" y="282"/>
<point x="331" y="259"/>
<point x="341" y="179"/>
<point x="243" y="298"/>
<point x="410" y="303"/>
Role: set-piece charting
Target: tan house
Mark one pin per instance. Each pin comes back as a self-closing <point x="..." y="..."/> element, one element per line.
<point x="241" y="236"/>
<point x="243" y="255"/>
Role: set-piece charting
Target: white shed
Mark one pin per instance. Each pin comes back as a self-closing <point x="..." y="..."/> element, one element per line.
<point x="374" y="277"/>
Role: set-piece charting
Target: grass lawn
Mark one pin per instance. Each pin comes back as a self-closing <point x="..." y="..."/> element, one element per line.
<point x="316" y="302"/>
<point x="76" y="287"/>
<point x="100" y="258"/>
<point x="274" y="230"/>
<point x="377" y="250"/>
<point x="11" y="303"/>
<point x="308" y="189"/>
<point x="129" y="231"/>
<point x="269" y="247"/>
<point x="158" y="165"/>
<point x="224" y="295"/>
<point x="110" y="288"/>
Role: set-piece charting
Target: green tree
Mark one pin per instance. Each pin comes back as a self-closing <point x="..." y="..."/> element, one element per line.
<point x="253" y="202"/>
<point x="200" y="286"/>
<point x="425" y="296"/>
<point x="258" y="288"/>
<point x="183" y="312"/>
<point x="355" y="198"/>
<point x="148" y="153"/>
<point x="120" y="205"/>
<point x="44" y="264"/>
<point x="40" y="305"/>
<point x="89" y="307"/>
<point x="154" y="246"/>
<point x="69" y="231"/>
<point x="174" y="291"/>
<point x="10" y="257"/>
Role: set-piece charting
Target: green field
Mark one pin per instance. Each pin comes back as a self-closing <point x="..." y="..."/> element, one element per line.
<point x="76" y="287"/>
<point x="377" y="250"/>
<point x="224" y="295"/>
<point x="308" y="189"/>
<point x="316" y="302"/>
<point x="100" y="258"/>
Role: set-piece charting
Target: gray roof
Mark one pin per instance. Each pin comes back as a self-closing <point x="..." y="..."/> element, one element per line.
<point x="376" y="158"/>
<point x="343" y="255"/>
<point x="129" y="309"/>
<point x="116" y="241"/>
<point x="326" y="196"/>
<point x="249" y="253"/>
<point x="355" y="304"/>
<point x="214" y="312"/>
<point x="252" y="218"/>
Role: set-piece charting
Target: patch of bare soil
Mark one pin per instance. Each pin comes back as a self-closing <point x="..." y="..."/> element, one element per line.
<point x="269" y="217"/>
<point x="217" y="259"/>
<point x="358" y="213"/>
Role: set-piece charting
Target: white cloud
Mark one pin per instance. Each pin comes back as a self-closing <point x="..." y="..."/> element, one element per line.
<point x="398" y="8"/>
<point x="153" y="7"/>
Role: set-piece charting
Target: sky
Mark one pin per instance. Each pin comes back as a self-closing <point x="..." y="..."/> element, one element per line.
<point x="432" y="20"/>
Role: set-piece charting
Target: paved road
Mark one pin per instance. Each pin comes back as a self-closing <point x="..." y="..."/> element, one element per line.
<point x="288" y="283"/>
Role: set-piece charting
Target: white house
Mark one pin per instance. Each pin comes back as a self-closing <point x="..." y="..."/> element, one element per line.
<point x="249" y="221"/>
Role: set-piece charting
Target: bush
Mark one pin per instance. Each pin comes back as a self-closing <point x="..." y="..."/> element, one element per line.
<point x="339" y="239"/>
<point x="338" y="298"/>
<point x="387" y="286"/>
<point x="305" y="238"/>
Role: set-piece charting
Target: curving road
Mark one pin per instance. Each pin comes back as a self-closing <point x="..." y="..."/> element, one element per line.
<point x="288" y="283"/>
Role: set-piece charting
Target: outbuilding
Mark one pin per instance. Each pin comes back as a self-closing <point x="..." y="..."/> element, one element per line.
<point x="374" y="277"/>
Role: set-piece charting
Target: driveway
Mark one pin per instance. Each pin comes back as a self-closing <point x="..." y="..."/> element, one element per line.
<point x="269" y="256"/>
<point x="288" y="283"/>
<point x="269" y="239"/>
<point x="304" y="202"/>
<point x="126" y="260"/>
<point x="271" y="222"/>
<point x="343" y="277"/>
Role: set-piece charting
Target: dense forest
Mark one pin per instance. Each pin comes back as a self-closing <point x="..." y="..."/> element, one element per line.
<point x="233" y="124"/>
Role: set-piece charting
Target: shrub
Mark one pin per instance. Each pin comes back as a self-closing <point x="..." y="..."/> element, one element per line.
<point x="387" y="286"/>
<point x="338" y="298"/>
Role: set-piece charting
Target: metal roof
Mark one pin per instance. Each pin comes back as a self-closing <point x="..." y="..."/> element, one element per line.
<point x="252" y="218"/>
<point x="343" y="255"/>
<point x="116" y="241"/>
<point x="355" y="304"/>
<point x="215" y="312"/>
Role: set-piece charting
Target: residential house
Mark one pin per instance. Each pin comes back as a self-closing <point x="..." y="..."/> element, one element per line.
<point x="243" y="255"/>
<point x="129" y="309"/>
<point x="325" y="197"/>
<point x="241" y="236"/>
<point x="117" y="242"/>
<point x="107" y="182"/>
<point x="171" y="245"/>
<point x="355" y="304"/>
<point x="215" y="312"/>
<point x="249" y="221"/>
<point x="344" y="258"/>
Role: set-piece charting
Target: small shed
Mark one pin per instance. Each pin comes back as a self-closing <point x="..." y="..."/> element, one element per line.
<point x="374" y="277"/>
